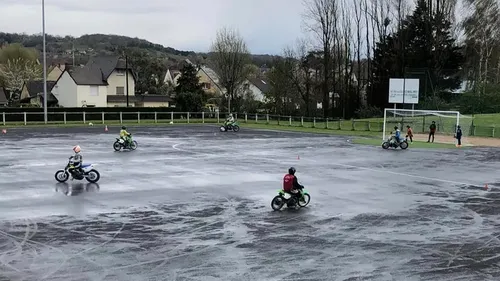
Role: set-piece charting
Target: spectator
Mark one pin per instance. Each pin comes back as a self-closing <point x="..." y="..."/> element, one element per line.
<point x="409" y="133"/>
<point x="432" y="131"/>
<point x="458" y="136"/>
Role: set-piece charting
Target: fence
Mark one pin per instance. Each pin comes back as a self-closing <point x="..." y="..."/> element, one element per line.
<point x="109" y="118"/>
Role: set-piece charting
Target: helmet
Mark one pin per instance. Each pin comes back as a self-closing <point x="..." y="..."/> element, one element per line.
<point x="76" y="149"/>
<point x="291" y="171"/>
<point x="395" y="127"/>
<point x="124" y="128"/>
<point x="230" y="115"/>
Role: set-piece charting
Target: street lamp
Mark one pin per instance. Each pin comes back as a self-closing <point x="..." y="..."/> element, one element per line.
<point x="44" y="66"/>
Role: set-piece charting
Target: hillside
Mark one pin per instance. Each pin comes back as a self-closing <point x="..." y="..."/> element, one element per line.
<point x="62" y="48"/>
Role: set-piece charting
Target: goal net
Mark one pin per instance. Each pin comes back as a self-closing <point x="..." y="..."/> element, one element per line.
<point x="420" y="121"/>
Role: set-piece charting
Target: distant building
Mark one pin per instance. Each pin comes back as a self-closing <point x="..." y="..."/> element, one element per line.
<point x="99" y="83"/>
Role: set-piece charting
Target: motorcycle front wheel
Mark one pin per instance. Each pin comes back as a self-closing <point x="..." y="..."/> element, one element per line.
<point x="385" y="145"/>
<point x="277" y="203"/>
<point x="61" y="176"/>
<point x="307" y="199"/>
<point x="404" y="145"/>
<point x="133" y="145"/>
<point x="236" y="128"/>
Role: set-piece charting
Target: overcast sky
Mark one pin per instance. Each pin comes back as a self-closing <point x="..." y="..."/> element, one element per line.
<point x="267" y="25"/>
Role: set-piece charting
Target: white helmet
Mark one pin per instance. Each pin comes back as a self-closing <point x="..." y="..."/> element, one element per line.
<point x="230" y="115"/>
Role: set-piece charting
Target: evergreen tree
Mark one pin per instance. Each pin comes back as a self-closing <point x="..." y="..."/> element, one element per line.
<point x="189" y="91"/>
<point x="189" y="102"/>
<point x="189" y="82"/>
<point x="424" y="43"/>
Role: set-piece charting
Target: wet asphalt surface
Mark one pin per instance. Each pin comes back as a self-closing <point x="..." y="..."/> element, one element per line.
<point x="194" y="204"/>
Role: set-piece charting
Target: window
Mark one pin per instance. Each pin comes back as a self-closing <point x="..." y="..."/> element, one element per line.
<point x="94" y="91"/>
<point x="120" y="91"/>
<point x="206" y="86"/>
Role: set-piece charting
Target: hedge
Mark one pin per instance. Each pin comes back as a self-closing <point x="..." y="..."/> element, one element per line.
<point x="88" y="109"/>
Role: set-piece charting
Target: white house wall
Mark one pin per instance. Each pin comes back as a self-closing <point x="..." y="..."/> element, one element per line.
<point x="257" y="93"/>
<point x="66" y="91"/>
<point x="118" y="80"/>
<point x="84" y="96"/>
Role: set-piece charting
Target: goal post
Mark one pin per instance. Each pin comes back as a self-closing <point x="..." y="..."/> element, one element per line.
<point x="446" y="122"/>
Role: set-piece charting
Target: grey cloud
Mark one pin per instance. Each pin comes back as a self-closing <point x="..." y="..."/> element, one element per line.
<point x="108" y="6"/>
<point x="266" y="25"/>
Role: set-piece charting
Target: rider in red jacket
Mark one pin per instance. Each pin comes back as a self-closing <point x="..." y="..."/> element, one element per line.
<point x="291" y="184"/>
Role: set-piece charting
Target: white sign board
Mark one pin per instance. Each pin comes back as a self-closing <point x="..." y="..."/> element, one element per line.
<point x="399" y="87"/>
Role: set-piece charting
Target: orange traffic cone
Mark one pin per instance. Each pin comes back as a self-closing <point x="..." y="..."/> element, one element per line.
<point x="106" y="128"/>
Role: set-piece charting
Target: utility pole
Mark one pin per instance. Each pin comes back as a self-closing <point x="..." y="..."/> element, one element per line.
<point x="126" y="76"/>
<point x="73" y="53"/>
<point x="45" y="118"/>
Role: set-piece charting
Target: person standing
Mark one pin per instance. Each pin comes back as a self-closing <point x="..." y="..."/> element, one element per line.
<point x="432" y="131"/>
<point x="409" y="133"/>
<point x="458" y="136"/>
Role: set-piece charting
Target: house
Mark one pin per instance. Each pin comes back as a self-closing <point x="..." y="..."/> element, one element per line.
<point x="141" y="101"/>
<point x="56" y="71"/>
<point x="93" y="84"/>
<point x="258" y="87"/>
<point x="264" y="69"/>
<point x="4" y="97"/>
<point x="101" y="83"/>
<point x="32" y="92"/>
<point x="116" y="73"/>
<point x="172" y="76"/>
<point x="154" y="101"/>
<point x="210" y="81"/>
<point x="81" y="87"/>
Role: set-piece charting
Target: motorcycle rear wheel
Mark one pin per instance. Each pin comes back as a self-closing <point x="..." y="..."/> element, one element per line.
<point x="94" y="178"/>
<point x="277" y="203"/>
<point x="117" y="146"/>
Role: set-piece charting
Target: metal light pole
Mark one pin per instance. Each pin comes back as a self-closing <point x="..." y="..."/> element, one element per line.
<point x="44" y="66"/>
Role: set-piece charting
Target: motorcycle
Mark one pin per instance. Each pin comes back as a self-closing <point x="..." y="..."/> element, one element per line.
<point x="120" y="143"/>
<point x="391" y="142"/>
<point x="89" y="173"/>
<point x="291" y="201"/>
<point x="230" y="127"/>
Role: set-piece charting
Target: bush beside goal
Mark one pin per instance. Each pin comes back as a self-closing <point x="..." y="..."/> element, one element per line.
<point x="420" y="121"/>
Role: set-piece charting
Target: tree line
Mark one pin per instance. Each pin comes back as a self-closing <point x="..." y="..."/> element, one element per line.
<point x="350" y="50"/>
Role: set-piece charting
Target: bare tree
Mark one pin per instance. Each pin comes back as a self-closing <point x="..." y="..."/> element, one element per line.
<point x="300" y="71"/>
<point x="320" y="19"/>
<point x="230" y="55"/>
<point x="482" y="32"/>
<point x="358" y="6"/>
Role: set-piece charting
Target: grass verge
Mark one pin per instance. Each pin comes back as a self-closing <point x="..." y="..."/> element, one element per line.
<point x="270" y="126"/>
<point x="311" y="130"/>
<point x="415" y="144"/>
